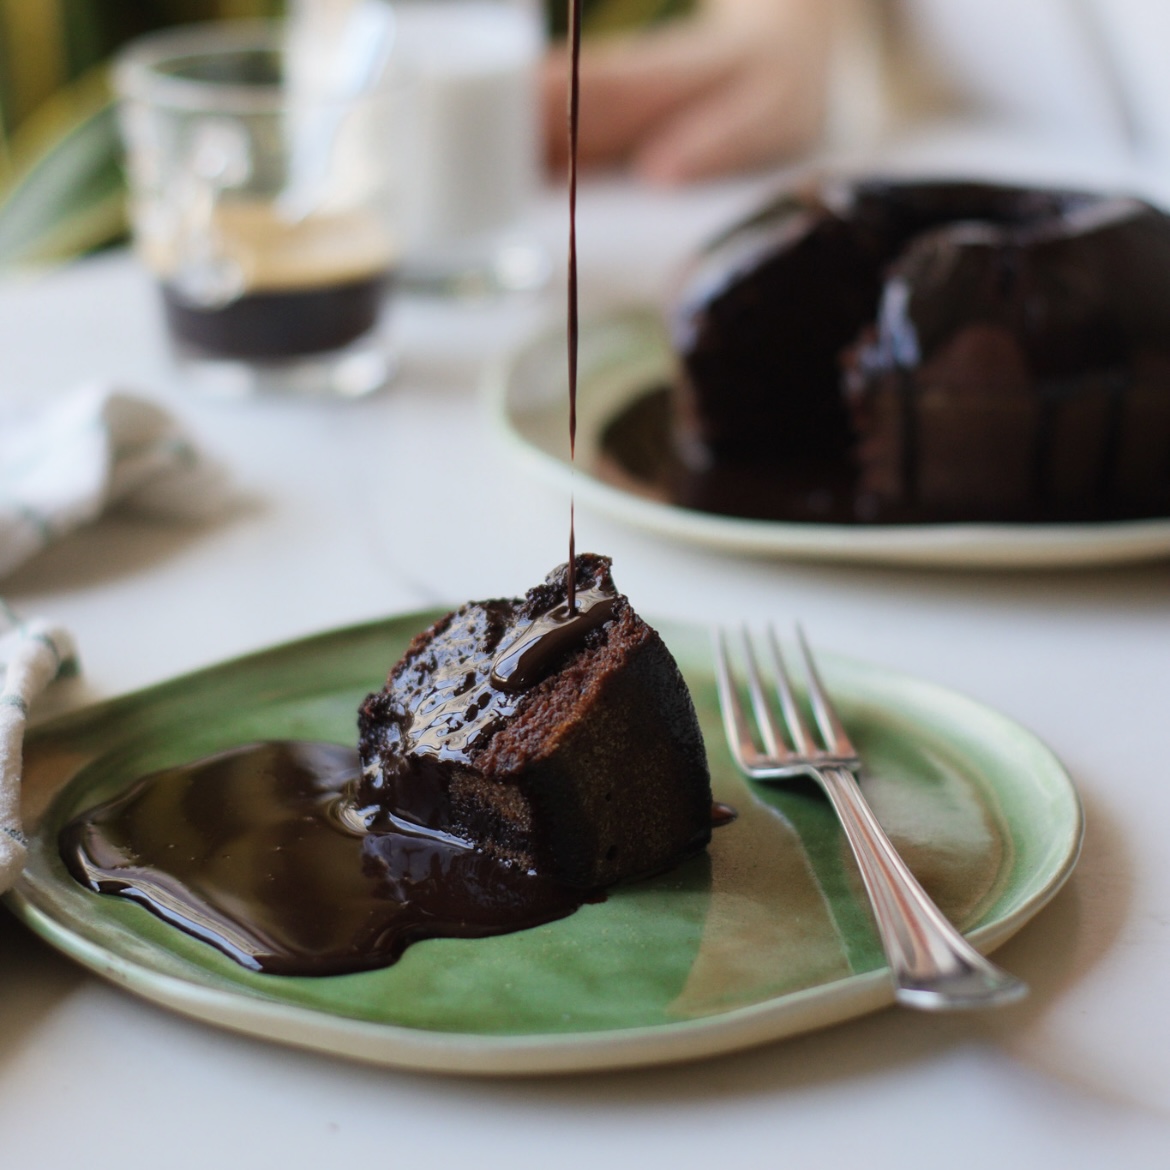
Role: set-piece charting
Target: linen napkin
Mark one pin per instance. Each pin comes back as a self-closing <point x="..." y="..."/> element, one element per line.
<point x="100" y="447"/>
<point x="97" y="448"/>
<point x="32" y="654"/>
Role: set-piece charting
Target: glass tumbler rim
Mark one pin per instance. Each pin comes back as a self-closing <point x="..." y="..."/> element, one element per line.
<point x="140" y="70"/>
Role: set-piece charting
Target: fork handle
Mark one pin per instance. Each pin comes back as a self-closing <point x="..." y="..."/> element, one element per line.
<point x="933" y="966"/>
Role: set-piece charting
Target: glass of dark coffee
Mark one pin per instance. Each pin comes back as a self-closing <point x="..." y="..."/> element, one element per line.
<point x="264" y="198"/>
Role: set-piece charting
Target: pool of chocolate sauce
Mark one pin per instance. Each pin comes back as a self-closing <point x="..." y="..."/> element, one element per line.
<point x="637" y="453"/>
<point x="260" y="852"/>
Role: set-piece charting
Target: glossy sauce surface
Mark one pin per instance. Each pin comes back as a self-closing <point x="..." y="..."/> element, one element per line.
<point x="536" y="648"/>
<point x="447" y="701"/>
<point x="259" y="852"/>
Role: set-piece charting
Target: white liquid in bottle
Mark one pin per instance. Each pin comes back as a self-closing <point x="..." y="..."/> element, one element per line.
<point x="471" y="159"/>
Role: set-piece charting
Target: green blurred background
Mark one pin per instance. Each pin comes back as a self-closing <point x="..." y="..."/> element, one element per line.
<point x="61" y="187"/>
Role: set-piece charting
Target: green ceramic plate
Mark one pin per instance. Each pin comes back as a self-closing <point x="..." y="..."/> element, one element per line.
<point x="766" y="935"/>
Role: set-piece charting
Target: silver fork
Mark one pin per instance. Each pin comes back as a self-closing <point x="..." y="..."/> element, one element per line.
<point x="933" y="966"/>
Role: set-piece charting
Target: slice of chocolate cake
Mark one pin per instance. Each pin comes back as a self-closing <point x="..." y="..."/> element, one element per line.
<point x="565" y="743"/>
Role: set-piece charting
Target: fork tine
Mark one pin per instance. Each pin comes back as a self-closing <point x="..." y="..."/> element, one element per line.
<point x="798" y="728"/>
<point x="735" y="724"/>
<point x="770" y="730"/>
<point x="836" y="741"/>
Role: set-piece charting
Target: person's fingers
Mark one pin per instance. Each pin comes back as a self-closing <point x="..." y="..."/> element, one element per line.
<point x="625" y="90"/>
<point x="746" y="123"/>
<point x="740" y="86"/>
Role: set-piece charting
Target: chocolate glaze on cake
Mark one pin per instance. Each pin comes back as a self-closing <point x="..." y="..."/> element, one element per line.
<point x="564" y="744"/>
<point x="939" y="351"/>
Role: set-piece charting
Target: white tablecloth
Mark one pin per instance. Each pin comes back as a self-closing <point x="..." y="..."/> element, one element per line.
<point x="352" y="511"/>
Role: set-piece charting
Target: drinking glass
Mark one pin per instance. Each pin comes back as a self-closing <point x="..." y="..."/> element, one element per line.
<point x="267" y="207"/>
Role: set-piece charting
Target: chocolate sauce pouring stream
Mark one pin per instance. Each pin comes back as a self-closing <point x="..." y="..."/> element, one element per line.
<point x="574" y="123"/>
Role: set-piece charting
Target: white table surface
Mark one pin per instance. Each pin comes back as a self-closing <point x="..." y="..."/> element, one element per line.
<point x="353" y="511"/>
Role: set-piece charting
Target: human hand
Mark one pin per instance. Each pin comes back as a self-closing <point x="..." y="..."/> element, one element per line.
<point x="740" y="85"/>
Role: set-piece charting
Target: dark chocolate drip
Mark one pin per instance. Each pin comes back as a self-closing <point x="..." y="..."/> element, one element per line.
<point x="571" y="577"/>
<point x="449" y="707"/>
<point x="574" y="126"/>
<point x="722" y="814"/>
<point x="539" y="647"/>
<point x="260" y="852"/>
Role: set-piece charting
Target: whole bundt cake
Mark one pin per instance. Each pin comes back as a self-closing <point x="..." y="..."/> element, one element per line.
<point x="928" y="351"/>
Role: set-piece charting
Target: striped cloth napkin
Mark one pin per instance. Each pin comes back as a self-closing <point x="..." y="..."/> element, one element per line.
<point x="97" y="449"/>
<point x="32" y="655"/>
